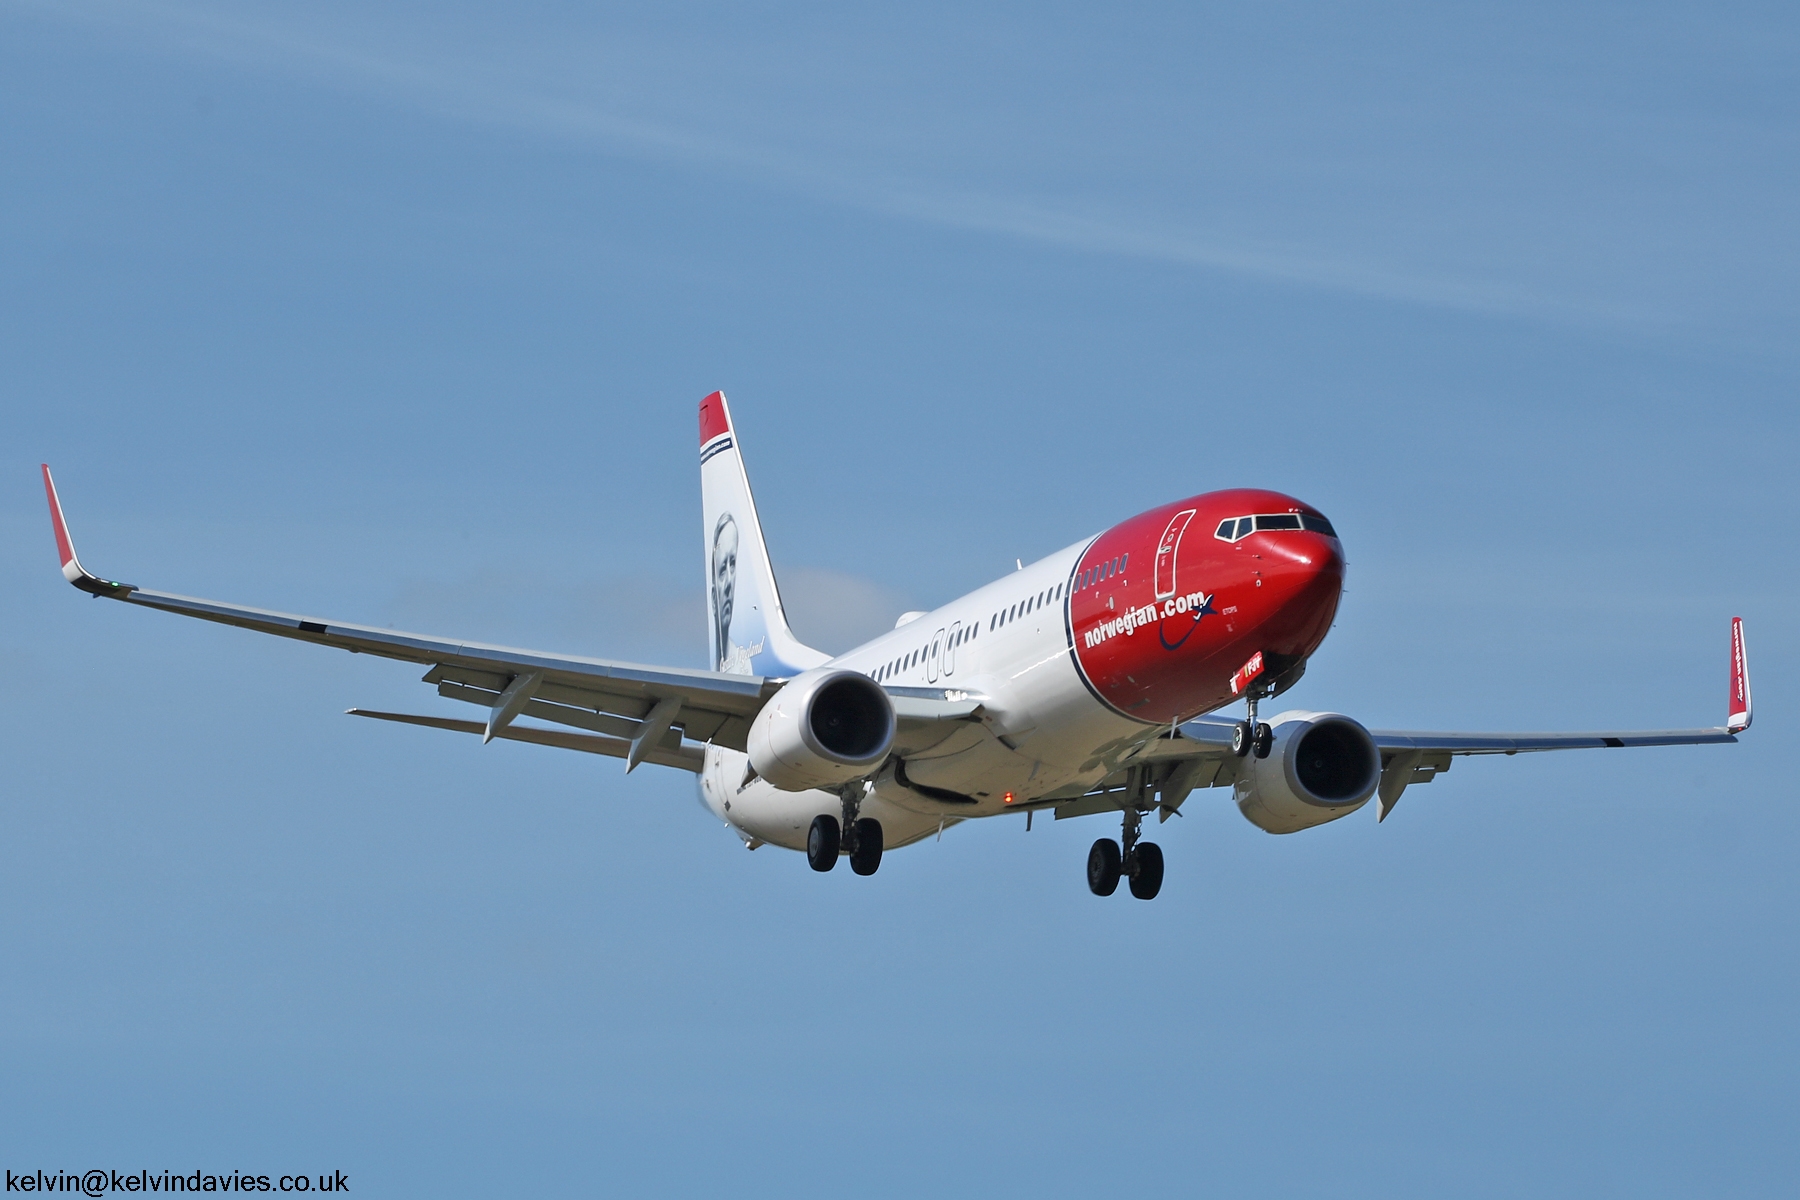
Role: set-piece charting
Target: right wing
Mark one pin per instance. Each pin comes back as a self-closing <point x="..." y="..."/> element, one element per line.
<point x="1198" y="754"/>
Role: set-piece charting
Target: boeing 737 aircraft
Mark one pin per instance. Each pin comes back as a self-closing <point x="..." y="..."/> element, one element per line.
<point x="1081" y="684"/>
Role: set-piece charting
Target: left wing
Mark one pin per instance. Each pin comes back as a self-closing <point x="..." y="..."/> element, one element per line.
<point x="1198" y="754"/>
<point x="637" y="713"/>
<point x="643" y="713"/>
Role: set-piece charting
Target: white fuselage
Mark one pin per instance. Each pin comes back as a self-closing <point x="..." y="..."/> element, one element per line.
<point x="1042" y="732"/>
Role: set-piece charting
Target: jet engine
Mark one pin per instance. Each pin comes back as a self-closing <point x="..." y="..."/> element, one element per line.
<point x="1321" y="766"/>
<point x="822" y="729"/>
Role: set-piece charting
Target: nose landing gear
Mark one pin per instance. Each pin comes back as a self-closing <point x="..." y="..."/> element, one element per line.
<point x="1141" y="862"/>
<point x="1252" y="735"/>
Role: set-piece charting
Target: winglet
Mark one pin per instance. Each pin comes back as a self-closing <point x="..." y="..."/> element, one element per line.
<point x="72" y="569"/>
<point x="1739" y="718"/>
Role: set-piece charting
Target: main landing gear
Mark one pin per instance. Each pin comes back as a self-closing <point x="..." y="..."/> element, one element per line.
<point x="860" y="836"/>
<point x="1141" y="862"/>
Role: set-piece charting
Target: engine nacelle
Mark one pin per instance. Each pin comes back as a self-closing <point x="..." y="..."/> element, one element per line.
<point x="822" y="729"/>
<point x="1322" y="766"/>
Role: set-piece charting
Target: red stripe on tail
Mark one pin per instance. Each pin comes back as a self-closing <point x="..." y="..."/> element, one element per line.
<point x="713" y="418"/>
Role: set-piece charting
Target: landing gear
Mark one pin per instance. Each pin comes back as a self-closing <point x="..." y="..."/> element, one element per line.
<point x="859" y="837"/>
<point x="822" y="843"/>
<point x="1146" y="881"/>
<point x="1103" y="867"/>
<point x="1252" y="734"/>
<point x="865" y="852"/>
<point x="1141" y="862"/>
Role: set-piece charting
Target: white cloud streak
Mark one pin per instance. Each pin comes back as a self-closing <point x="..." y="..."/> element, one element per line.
<point x="477" y="93"/>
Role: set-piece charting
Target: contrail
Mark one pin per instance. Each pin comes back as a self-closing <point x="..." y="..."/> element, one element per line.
<point x="471" y="93"/>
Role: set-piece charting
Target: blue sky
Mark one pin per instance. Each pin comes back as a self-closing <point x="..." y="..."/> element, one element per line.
<point x="399" y="313"/>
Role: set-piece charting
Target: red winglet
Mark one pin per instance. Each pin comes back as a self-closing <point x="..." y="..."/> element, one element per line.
<point x="64" y="546"/>
<point x="714" y="419"/>
<point x="1739" y="718"/>
<point x="72" y="569"/>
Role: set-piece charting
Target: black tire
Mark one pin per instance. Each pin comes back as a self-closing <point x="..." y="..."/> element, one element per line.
<point x="1103" y="867"/>
<point x="1146" y="881"/>
<point x="1241" y="737"/>
<point x="866" y="858"/>
<point x="822" y="843"/>
<point x="1263" y="740"/>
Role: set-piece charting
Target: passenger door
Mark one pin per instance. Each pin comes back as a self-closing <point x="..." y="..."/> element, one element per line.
<point x="1166" y="550"/>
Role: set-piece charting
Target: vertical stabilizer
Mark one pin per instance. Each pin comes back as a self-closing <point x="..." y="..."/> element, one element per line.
<point x="747" y="633"/>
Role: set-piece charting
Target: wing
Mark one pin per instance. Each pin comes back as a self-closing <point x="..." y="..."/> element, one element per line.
<point x="1198" y="754"/>
<point x="640" y="713"/>
<point x="637" y="713"/>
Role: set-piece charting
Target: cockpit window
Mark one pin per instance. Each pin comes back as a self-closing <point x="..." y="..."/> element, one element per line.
<point x="1236" y="528"/>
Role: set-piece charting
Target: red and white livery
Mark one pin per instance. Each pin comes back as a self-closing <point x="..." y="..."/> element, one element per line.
<point x="1080" y="684"/>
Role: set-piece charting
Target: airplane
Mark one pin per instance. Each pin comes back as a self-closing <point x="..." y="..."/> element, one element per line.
<point x="1087" y="682"/>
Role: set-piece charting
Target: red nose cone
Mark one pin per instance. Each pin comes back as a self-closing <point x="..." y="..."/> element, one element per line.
<point x="1302" y="577"/>
<point x="1166" y="606"/>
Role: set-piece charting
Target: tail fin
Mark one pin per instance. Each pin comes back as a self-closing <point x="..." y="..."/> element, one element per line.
<point x="748" y="632"/>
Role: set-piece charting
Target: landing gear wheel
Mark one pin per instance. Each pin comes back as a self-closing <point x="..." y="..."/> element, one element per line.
<point x="1241" y="737"/>
<point x="1263" y="739"/>
<point x="1103" y="867"/>
<point x="866" y="858"/>
<point x="1146" y="880"/>
<point x="822" y="843"/>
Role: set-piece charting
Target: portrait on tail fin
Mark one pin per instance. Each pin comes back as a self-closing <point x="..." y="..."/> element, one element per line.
<point x="745" y="623"/>
<point x="724" y="586"/>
